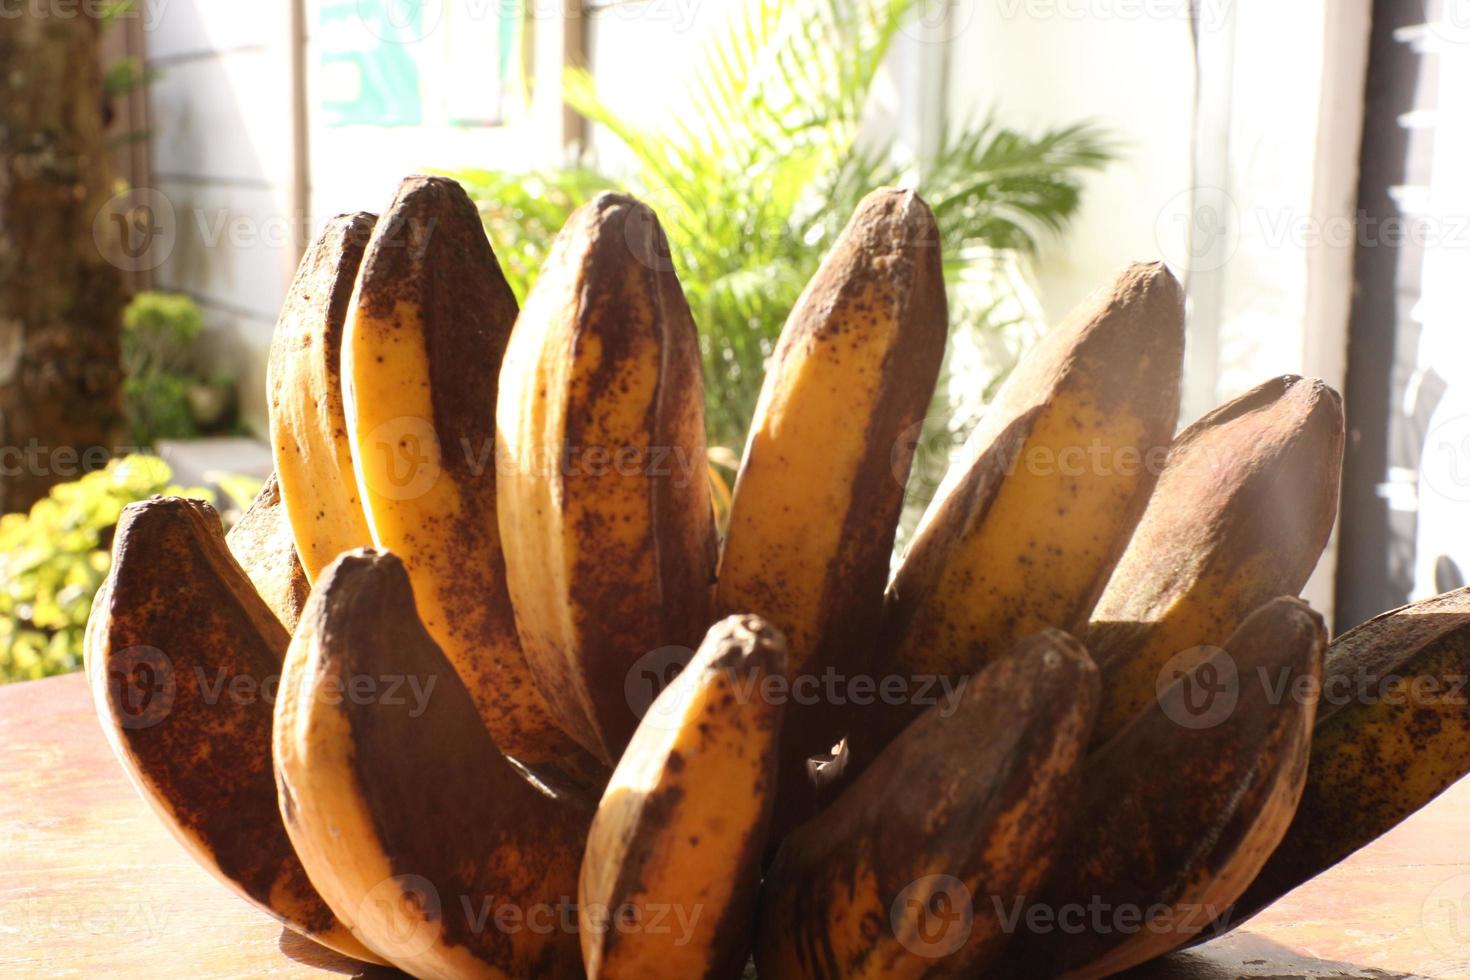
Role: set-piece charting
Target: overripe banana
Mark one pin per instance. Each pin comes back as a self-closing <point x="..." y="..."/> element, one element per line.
<point x="672" y="864"/>
<point x="958" y="819"/>
<point x="604" y="502"/>
<point x="308" y="429"/>
<point x="424" y="338"/>
<point x="438" y="853"/>
<point x="263" y="543"/>
<point x="1048" y="488"/>
<point x="821" y="483"/>
<point x="1179" y="811"/>
<point x="182" y="655"/>
<point x="536" y="485"/>
<point x="1392" y="733"/>
<point x="1241" y="513"/>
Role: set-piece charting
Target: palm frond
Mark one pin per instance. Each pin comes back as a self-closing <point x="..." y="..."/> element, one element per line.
<point x="994" y="185"/>
<point x="756" y="174"/>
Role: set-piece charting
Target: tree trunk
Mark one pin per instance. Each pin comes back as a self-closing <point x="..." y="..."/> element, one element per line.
<point x="60" y="297"/>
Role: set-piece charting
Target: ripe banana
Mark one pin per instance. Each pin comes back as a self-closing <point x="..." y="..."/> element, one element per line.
<point x="263" y="543"/>
<point x="1029" y="522"/>
<point x="424" y="337"/>
<point x="1241" y="513"/>
<point x="604" y="502"/>
<point x="958" y="818"/>
<point x="1392" y="733"/>
<point x="1052" y="482"/>
<point x="308" y="430"/>
<point x="181" y="657"/>
<point x="821" y="483"/>
<point x="1181" y="809"/>
<point x="672" y="864"/>
<point x="438" y="853"/>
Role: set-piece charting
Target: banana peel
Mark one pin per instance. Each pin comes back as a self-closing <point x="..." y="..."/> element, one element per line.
<point x="672" y="864"/>
<point x="1392" y="733"/>
<point x="423" y="341"/>
<point x="604" y="503"/>
<point x="265" y="546"/>
<point x="438" y="853"/>
<point x="821" y="485"/>
<point x="1241" y="513"/>
<point x="308" y="426"/>
<point x="910" y="871"/>
<point x="1180" y="810"/>
<point x="182" y="659"/>
<point x="1032" y="517"/>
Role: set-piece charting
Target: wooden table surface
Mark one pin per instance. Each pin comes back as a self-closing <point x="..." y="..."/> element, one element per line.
<point x="92" y="885"/>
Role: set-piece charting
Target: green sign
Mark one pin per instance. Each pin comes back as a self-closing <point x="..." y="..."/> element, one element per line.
<point x="369" y="73"/>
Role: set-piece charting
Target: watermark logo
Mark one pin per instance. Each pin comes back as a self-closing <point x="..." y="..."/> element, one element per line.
<point x="151" y="11"/>
<point x="409" y="691"/>
<point x="1198" y="229"/>
<point x="939" y="21"/>
<point x="400" y="21"/>
<point x="661" y="693"/>
<point x="1448" y="20"/>
<point x="924" y="453"/>
<point x="1099" y="917"/>
<point x="659" y="672"/>
<point x="1209" y="15"/>
<point x="401" y="458"/>
<point x="408" y="911"/>
<point x="646" y="241"/>
<point x="933" y="916"/>
<point x="136" y="230"/>
<point x="142" y="686"/>
<point x="1445" y="466"/>
<point x="674" y="920"/>
<point x="1445" y="916"/>
<point x="46" y="921"/>
<point x="1199" y="687"/>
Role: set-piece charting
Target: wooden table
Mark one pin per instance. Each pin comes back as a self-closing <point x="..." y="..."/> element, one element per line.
<point x="92" y="885"/>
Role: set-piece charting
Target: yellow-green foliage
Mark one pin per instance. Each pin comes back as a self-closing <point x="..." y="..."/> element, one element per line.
<point x="53" y="559"/>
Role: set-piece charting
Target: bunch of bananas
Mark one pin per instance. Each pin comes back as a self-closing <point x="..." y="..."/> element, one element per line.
<point x="475" y="689"/>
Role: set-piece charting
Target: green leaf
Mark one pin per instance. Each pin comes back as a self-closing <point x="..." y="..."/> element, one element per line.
<point x="754" y="175"/>
<point x="53" y="559"/>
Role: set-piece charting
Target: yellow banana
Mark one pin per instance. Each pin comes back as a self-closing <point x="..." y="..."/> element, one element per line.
<point x="424" y="338"/>
<point x="1052" y="482"/>
<point x="1181" y="809"/>
<point x="672" y="863"/>
<point x="308" y="430"/>
<point x="604" y="503"/>
<point x="910" y="871"/>
<point x="821" y="484"/>
<point x="263" y="543"/>
<point x="1241" y="513"/>
<point x="1392" y="733"/>
<point x="438" y="853"/>
<point x="182" y="658"/>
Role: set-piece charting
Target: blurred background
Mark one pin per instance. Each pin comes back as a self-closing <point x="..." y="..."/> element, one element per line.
<point x="1304" y="167"/>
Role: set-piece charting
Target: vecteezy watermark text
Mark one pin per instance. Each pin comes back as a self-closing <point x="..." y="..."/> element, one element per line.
<point x="657" y="691"/>
<point x="146" y="685"/>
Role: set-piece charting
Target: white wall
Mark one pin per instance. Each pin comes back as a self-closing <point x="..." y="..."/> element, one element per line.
<point x="643" y="53"/>
<point x="1041" y="64"/>
<point x="223" y="162"/>
<point x="1241" y="192"/>
<point x="1291" y="180"/>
